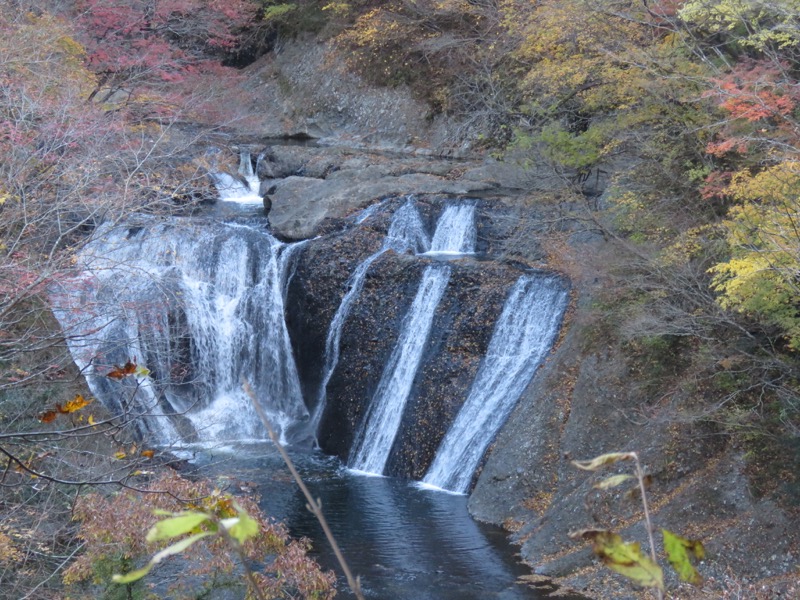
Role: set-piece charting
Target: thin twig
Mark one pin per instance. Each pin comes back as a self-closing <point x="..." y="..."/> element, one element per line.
<point x="313" y="505"/>
<point x="647" y="522"/>
<point x="237" y="548"/>
<point x="56" y="570"/>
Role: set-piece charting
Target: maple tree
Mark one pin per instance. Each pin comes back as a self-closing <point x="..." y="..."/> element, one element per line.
<point x="155" y="44"/>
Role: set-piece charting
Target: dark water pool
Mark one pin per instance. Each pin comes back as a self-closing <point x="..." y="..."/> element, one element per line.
<point x="405" y="543"/>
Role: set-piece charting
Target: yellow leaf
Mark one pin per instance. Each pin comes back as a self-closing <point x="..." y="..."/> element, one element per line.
<point x="623" y="557"/>
<point x="612" y="482"/>
<point x="77" y="403"/>
<point x="120" y="455"/>
<point x="91" y="420"/>
<point x="677" y="549"/>
<point x="602" y="460"/>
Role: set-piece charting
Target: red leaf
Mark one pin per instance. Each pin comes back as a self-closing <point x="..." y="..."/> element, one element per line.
<point x="49" y="416"/>
<point x="122" y="372"/>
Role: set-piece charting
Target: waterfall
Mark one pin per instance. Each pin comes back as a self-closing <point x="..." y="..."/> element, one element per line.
<point x="522" y="337"/>
<point x="243" y="189"/>
<point x="201" y="305"/>
<point x="406" y="233"/>
<point x="382" y="420"/>
<point x="455" y="233"/>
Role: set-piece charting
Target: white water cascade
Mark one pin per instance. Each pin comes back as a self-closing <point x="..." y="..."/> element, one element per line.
<point x="243" y="189"/>
<point x="382" y="420"/>
<point x="455" y="233"/>
<point x="199" y="304"/>
<point x="523" y="335"/>
<point x="406" y="233"/>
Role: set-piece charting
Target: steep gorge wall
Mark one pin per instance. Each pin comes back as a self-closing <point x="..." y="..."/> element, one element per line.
<point x="584" y="401"/>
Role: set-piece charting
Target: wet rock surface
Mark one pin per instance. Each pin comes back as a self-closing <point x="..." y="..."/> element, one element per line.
<point x="462" y="328"/>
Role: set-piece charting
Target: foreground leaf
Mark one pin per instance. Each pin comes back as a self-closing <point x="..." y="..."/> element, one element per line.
<point x="175" y="548"/>
<point x="175" y="526"/>
<point x="241" y="528"/>
<point x="602" y="460"/>
<point x="677" y="549"/>
<point x="625" y="558"/>
<point x="612" y="482"/>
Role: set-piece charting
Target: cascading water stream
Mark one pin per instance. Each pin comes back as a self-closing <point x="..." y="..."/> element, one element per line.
<point x="201" y="305"/>
<point x="455" y="233"/>
<point x="382" y="420"/>
<point x="523" y="335"/>
<point x="406" y="233"/>
<point x="243" y="189"/>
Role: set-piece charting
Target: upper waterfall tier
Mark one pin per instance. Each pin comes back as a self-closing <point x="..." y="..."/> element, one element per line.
<point x="455" y="232"/>
<point x="243" y="189"/>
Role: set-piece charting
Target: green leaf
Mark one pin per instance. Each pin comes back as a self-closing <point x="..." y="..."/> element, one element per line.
<point x="677" y="549"/>
<point x="625" y="558"/>
<point x="612" y="482"/>
<point x="175" y="548"/>
<point x="602" y="460"/>
<point x="178" y="525"/>
<point x="241" y="528"/>
<point x="133" y="575"/>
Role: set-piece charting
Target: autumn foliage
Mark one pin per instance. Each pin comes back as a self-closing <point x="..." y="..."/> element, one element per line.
<point x="134" y="43"/>
<point x="113" y="529"/>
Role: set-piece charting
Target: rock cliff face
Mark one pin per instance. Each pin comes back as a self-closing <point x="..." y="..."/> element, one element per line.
<point x="462" y="327"/>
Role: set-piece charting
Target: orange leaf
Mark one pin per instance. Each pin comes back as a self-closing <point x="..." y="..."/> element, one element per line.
<point x="148" y="453"/>
<point x="47" y="417"/>
<point x="77" y="403"/>
<point x="123" y="372"/>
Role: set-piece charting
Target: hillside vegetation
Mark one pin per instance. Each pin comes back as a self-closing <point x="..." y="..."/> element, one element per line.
<point x="687" y="111"/>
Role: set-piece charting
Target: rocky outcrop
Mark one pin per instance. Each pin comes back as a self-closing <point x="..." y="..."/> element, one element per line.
<point x="462" y="327"/>
<point x="299" y="91"/>
<point x="310" y="188"/>
<point x="584" y="402"/>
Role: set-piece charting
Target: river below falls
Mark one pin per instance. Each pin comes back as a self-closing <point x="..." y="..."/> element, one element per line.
<point x="405" y="542"/>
